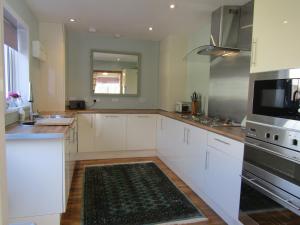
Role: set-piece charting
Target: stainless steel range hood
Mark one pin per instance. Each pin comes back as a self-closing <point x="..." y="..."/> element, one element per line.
<point x="229" y="33"/>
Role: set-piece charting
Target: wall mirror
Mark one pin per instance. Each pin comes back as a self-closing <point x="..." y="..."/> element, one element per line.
<point x="115" y="73"/>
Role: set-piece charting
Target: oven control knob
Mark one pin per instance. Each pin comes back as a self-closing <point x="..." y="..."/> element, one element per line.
<point x="276" y="137"/>
<point x="295" y="142"/>
<point x="268" y="135"/>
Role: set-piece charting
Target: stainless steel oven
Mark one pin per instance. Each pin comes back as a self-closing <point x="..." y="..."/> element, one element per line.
<point x="270" y="191"/>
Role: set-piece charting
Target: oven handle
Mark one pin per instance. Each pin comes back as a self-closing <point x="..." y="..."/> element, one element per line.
<point x="271" y="193"/>
<point x="272" y="152"/>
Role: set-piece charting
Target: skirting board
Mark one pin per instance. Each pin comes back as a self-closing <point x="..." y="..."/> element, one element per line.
<point x="53" y="219"/>
<point x="115" y="154"/>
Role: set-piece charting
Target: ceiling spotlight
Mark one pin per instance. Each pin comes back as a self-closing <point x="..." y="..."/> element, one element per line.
<point x="72" y="20"/>
<point x="285" y="21"/>
<point x="150" y="28"/>
<point x="172" y="6"/>
<point x="117" y="35"/>
<point x="118" y="59"/>
<point x="92" y="29"/>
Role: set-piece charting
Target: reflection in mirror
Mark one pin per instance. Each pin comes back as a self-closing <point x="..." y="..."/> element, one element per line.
<point x="115" y="73"/>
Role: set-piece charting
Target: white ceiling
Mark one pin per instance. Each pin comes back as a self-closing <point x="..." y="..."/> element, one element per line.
<point x="129" y="18"/>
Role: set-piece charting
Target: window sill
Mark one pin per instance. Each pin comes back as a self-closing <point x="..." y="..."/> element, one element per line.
<point x="16" y="109"/>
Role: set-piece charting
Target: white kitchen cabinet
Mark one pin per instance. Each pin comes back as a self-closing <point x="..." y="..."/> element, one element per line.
<point x="275" y="35"/>
<point x="37" y="177"/>
<point x="141" y="132"/>
<point x="192" y="157"/>
<point x="86" y="132"/>
<point x="110" y="132"/>
<point x="223" y="167"/>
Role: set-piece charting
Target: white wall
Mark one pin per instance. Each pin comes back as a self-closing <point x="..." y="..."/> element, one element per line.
<point x="3" y="201"/>
<point x="173" y="71"/>
<point x="198" y="67"/>
<point x="51" y="92"/>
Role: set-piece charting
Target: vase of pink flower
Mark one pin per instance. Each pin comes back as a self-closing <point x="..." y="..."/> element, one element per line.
<point x="14" y="99"/>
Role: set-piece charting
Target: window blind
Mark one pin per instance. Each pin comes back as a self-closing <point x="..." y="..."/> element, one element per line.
<point x="10" y="34"/>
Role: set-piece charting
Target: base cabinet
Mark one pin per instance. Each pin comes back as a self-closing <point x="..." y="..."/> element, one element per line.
<point x="116" y="132"/>
<point x="222" y="181"/>
<point x="210" y="164"/>
<point x="86" y="132"/>
<point x="141" y="132"/>
<point x="110" y="132"/>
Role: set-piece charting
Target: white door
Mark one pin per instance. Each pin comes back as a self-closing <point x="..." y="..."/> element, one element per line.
<point x="86" y="133"/>
<point x="141" y="132"/>
<point x="193" y="157"/>
<point x="275" y="35"/>
<point x="110" y="132"/>
<point x="223" y="181"/>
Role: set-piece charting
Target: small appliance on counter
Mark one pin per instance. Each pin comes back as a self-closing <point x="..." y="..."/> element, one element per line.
<point x="77" y="104"/>
<point x="183" y="107"/>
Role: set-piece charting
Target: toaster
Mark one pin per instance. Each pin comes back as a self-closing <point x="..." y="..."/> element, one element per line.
<point x="183" y="107"/>
<point x="77" y="104"/>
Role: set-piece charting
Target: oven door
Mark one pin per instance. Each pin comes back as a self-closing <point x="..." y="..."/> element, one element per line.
<point x="277" y="165"/>
<point x="262" y="203"/>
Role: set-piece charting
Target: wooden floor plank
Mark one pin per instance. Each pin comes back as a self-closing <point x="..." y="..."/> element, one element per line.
<point x="72" y="214"/>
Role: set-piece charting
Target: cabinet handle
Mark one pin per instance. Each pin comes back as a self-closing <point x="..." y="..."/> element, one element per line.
<point x="187" y="136"/>
<point x="253" y="55"/>
<point x="184" y="133"/>
<point x="112" y="116"/>
<point x="161" y="124"/>
<point x="143" y="116"/>
<point x="206" y="160"/>
<point x="92" y="121"/>
<point x="223" y="142"/>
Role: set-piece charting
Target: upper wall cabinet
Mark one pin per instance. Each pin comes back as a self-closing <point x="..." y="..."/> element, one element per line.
<point x="115" y="73"/>
<point x="275" y="43"/>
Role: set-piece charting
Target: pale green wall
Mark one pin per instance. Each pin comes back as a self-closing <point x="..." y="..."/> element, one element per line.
<point x="79" y="83"/>
<point x="198" y="67"/>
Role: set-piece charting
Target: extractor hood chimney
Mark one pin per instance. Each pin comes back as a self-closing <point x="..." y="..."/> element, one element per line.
<point x="229" y="35"/>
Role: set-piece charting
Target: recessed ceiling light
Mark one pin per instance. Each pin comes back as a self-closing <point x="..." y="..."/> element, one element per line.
<point x="285" y="21"/>
<point x="118" y="59"/>
<point x="117" y="35"/>
<point x="172" y="6"/>
<point x="150" y="28"/>
<point x="72" y="20"/>
<point x="92" y="29"/>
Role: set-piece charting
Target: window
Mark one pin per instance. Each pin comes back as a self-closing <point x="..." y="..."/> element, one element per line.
<point x="107" y="82"/>
<point x="16" y="58"/>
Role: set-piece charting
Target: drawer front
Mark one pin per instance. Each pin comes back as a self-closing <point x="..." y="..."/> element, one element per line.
<point x="226" y="145"/>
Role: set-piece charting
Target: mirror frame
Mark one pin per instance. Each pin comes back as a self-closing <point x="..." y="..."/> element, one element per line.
<point x="139" y="55"/>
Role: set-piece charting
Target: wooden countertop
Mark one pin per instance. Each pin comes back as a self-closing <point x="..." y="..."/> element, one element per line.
<point x="235" y="133"/>
<point x="17" y="131"/>
<point x="117" y="111"/>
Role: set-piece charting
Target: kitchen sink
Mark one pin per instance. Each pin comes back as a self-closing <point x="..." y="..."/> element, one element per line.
<point x="31" y="123"/>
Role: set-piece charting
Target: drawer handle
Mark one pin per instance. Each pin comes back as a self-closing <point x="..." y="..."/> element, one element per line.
<point x="143" y="116"/>
<point x="221" y="141"/>
<point x="112" y="116"/>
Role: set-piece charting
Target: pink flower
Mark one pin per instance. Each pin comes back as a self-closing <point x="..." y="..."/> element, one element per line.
<point x="14" y="95"/>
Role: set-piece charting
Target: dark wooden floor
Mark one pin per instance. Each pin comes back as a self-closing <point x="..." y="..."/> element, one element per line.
<point x="72" y="215"/>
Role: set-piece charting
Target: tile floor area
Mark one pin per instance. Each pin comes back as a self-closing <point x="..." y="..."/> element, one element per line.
<point x="72" y="215"/>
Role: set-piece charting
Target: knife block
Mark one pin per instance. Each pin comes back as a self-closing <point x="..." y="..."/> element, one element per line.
<point x="195" y="107"/>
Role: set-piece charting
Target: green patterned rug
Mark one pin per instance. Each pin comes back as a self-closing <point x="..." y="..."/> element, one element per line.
<point x="134" y="194"/>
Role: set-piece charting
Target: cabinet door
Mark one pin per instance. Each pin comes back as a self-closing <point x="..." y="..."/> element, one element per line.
<point x="86" y="133"/>
<point x="223" y="181"/>
<point x="275" y="35"/>
<point x="141" y="132"/>
<point x="110" y="132"/>
<point x="193" y="157"/>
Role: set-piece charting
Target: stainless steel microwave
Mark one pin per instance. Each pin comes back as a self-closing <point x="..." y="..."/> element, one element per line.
<point x="274" y="98"/>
